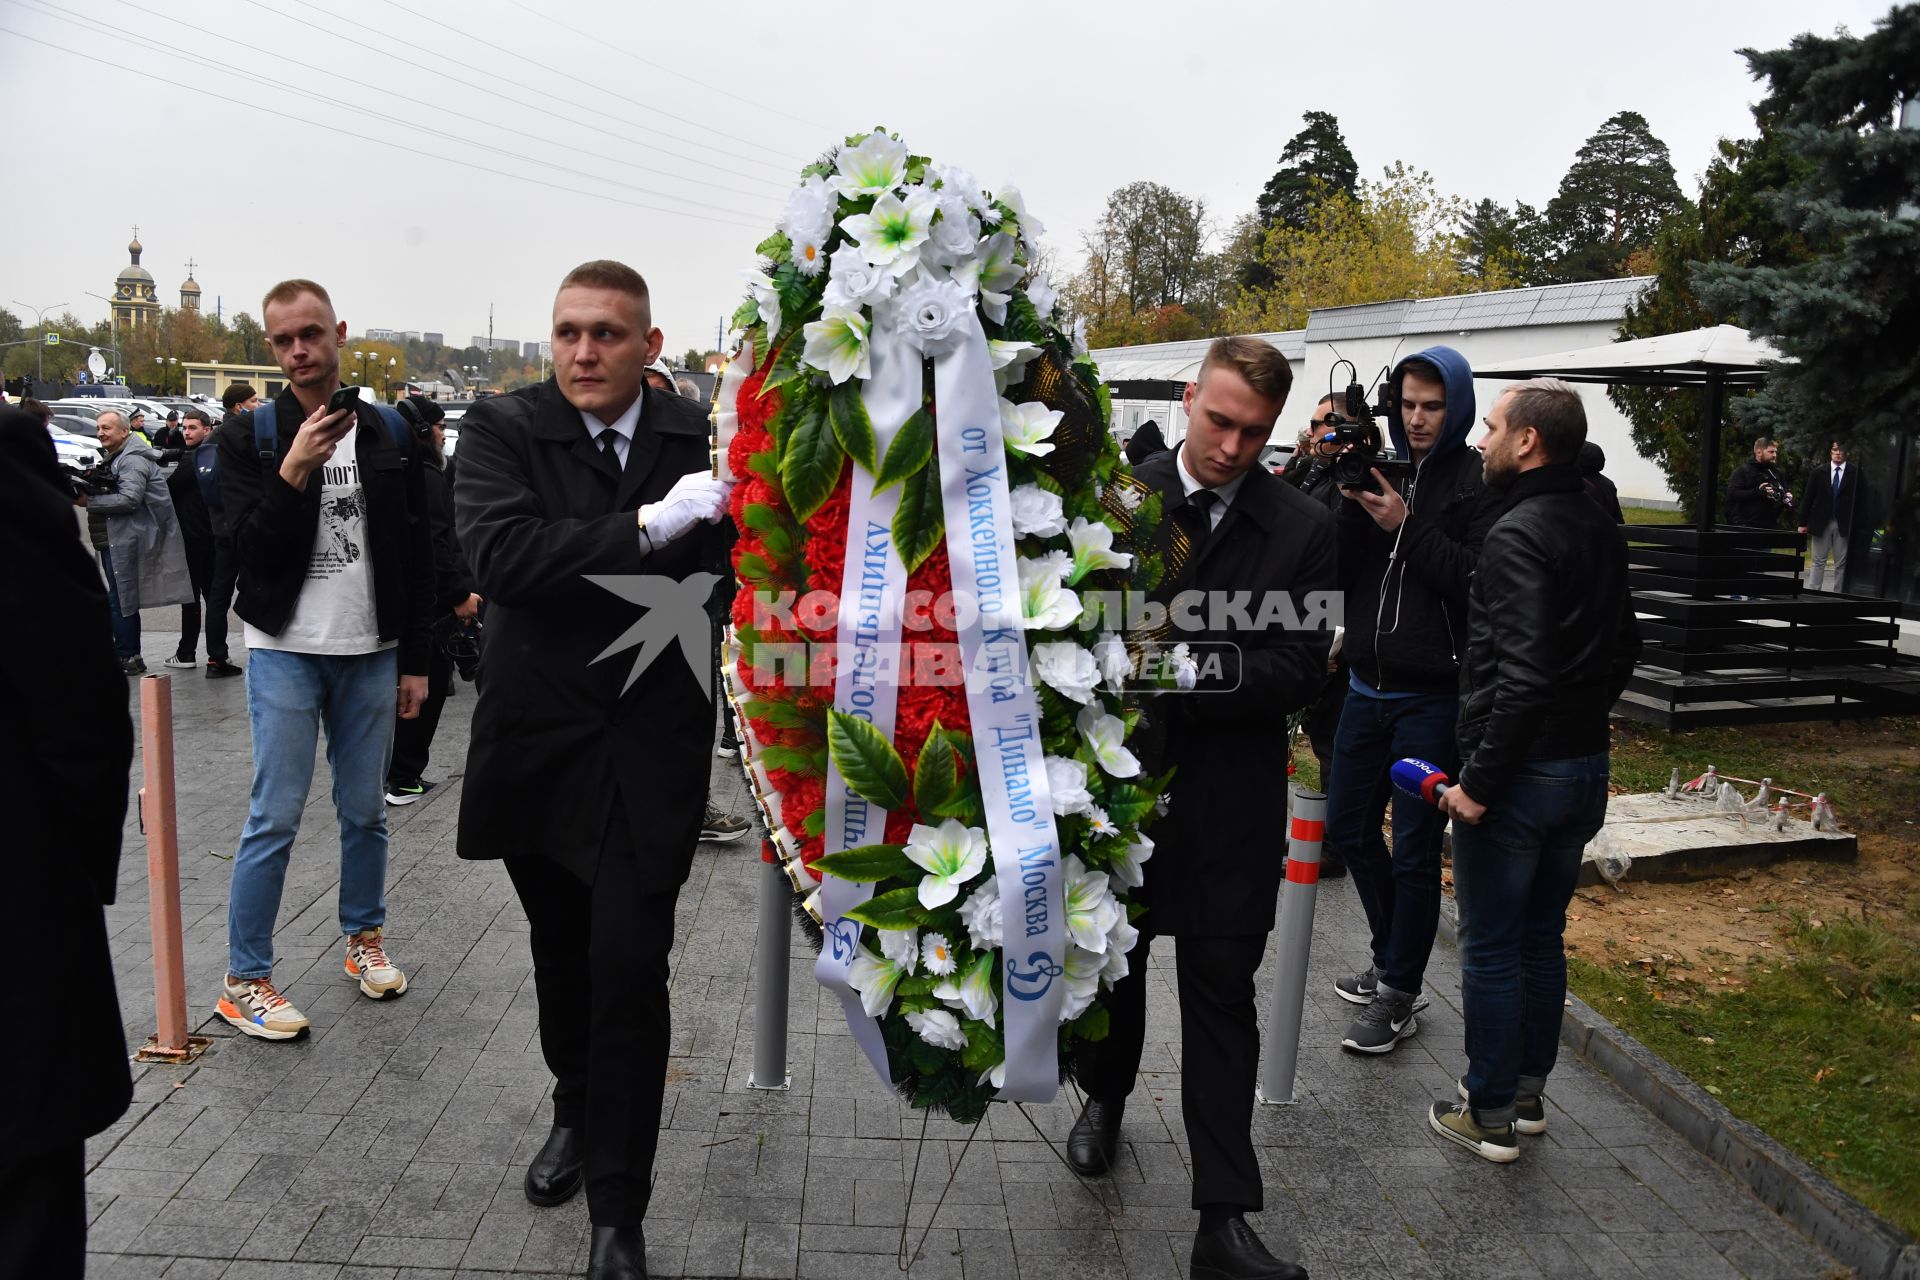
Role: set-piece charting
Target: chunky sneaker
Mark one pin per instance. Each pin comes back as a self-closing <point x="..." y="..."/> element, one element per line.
<point x="182" y="663"/>
<point x="1529" y="1112"/>
<point x="407" y="791"/>
<point x="368" y="965"/>
<point x="220" y="669"/>
<point x="257" y="1008"/>
<point x="721" y="826"/>
<point x="1455" y="1122"/>
<point x="1359" y="988"/>
<point x="1381" y="1026"/>
<point x="729" y="748"/>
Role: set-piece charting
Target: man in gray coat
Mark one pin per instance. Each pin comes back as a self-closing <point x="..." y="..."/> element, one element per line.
<point x="145" y="559"/>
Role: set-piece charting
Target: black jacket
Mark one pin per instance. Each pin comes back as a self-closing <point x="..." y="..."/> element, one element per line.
<point x="1406" y="612"/>
<point x="1823" y="506"/>
<point x="189" y="506"/>
<point x="1551" y="637"/>
<point x="452" y="581"/>
<point x="561" y="732"/>
<point x="273" y="527"/>
<point x="1217" y="868"/>
<point x="1746" y="504"/>
<point x="65" y="748"/>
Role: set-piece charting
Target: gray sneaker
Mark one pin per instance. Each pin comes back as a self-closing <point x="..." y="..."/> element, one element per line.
<point x="1455" y="1123"/>
<point x="1359" y="988"/>
<point x="1381" y="1026"/>
<point x="722" y="826"/>
<point x="1529" y="1112"/>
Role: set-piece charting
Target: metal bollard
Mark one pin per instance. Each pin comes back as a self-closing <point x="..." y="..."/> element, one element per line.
<point x="770" y="981"/>
<point x="1305" y="829"/>
<point x="170" y="1042"/>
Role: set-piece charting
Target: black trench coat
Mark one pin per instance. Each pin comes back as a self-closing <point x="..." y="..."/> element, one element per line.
<point x="1219" y="851"/>
<point x="538" y="507"/>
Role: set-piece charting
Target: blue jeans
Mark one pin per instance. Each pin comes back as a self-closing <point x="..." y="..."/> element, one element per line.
<point x="1513" y="876"/>
<point x="1400" y="891"/>
<point x="289" y="697"/>
<point x="126" y="631"/>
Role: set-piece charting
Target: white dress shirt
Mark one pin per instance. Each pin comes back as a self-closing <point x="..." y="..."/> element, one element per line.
<point x="623" y="426"/>
<point x="1225" y="492"/>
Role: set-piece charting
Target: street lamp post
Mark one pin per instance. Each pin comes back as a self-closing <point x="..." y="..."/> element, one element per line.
<point x="166" y="378"/>
<point x="40" y="351"/>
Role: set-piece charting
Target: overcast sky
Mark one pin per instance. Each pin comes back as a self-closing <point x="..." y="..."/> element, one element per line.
<point x="674" y="129"/>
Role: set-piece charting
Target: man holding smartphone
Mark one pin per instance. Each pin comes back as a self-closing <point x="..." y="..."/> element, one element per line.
<point x="329" y="524"/>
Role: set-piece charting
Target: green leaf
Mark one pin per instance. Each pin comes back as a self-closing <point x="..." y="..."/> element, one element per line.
<point x="872" y="768"/>
<point x="1023" y="320"/>
<point x="814" y="824"/>
<point x="909" y="451"/>
<point x="775" y="756"/>
<point x="851" y="425"/>
<point x="775" y="246"/>
<point x="754" y="567"/>
<point x="1128" y="804"/>
<point x="934" y="773"/>
<point x="898" y="909"/>
<point x="1092" y="1024"/>
<point x="869" y="864"/>
<point x="810" y="468"/>
<point x="920" y="522"/>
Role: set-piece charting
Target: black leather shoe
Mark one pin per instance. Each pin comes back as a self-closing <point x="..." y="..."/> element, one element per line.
<point x="618" y="1253"/>
<point x="1232" y="1251"/>
<point x="1094" y="1137"/>
<point x="557" y="1172"/>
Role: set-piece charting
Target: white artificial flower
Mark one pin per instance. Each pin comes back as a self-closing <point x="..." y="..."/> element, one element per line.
<point x="1031" y="228"/>
<point x="1091" y="907"/>
<point x="1080" y="337"/>
<point x="1093" y="547"/>
<point x="1131" y="498"/>
<point x="1102" y="824"/>
<point x="837" y="344"/>
<point x="1067" y="781"/>
<point x="955" y="234"/>
<point x="1163" y="804"/>
<point x="981" y="914"/>
<point x="809" y="212"/>
<point x="767" y="298"/>
<point x="1106" y="736"/>
<point x="1068" y="668"/>
<point x="1186" y="672"/>
<point x="1045" y="602"/>
<point x="1116" y="664"/>
<point x="972" y="991"/>
<point x="852" y="281"/>
<point x="1037" y="512"/>
<point x="809" y="254"/>
<point x="956" y="183"/>
<point x="875" y="167"/>
<point x="996" y="1075"/>
<point x="902" y="946"/>
<point x="1082" y="981"/>
<point x="931" y="312"/>
<point x="938" y="1028"/>
<point x="1007" y="354"/>
<point x="951" y="854"/>
<point x="874" y="977"/>
<point x="892" y="234"/>
<point x="1042" y="295"/>
<point x="938" y="954"/>
<point x="1028" y="428"/>
<point x="1126" y="865"/>
<point x="1120" y="940"/>
<point x="993" y="272"/>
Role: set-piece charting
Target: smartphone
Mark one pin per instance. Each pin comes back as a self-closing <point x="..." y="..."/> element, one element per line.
<point x="344" y="398"/>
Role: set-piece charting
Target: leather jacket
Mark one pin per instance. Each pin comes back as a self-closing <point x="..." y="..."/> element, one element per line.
<point x="1551" y="636"/>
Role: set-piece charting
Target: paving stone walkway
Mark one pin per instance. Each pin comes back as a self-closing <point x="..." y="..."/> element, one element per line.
<point x="391" y="1143"/>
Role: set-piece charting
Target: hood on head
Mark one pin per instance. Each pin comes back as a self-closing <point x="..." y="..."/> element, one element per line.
<point x="1457" y="375"/>
<point x="1593" y="459"/>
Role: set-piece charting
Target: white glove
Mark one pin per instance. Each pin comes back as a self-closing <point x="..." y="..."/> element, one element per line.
<point x="696" y="496"/>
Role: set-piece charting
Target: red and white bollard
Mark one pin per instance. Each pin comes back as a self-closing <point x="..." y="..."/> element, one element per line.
<point x="1306" y="828"/>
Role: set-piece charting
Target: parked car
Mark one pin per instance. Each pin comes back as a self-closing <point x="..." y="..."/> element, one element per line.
<point x="74" y="450"/>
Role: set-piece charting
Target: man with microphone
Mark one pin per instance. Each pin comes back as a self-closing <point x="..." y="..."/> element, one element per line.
<point x="1550" y="643"/>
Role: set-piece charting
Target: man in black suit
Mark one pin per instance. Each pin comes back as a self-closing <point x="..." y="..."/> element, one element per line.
<point x="577" y="498"/>
<point x="65" y="748"/>
<point x="1833" y="499"/>
<point x="1216" y="875"/>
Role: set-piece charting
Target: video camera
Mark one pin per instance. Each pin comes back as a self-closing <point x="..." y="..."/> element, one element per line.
<point x="88" y="481"/>
<point x="1352" y="437"/>
<point x="1778" y="494"/>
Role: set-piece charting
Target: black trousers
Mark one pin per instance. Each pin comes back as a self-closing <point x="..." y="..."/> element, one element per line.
<point x="1219" y="1058"/>
<point x="600" y="972"/>
<point x="43" y="1230"/>
<point x="213" y="568"/>
<point x="413" y="738"/>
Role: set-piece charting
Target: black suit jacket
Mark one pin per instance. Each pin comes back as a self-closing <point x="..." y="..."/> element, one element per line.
<point x="557" y="734"/>
<point x="65" y="747"/>
<point x="1218" y="853"/>
<point x="1824" y="505"/>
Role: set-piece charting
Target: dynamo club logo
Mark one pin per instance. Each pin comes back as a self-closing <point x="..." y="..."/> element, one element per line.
<point x="1032" y="982"/>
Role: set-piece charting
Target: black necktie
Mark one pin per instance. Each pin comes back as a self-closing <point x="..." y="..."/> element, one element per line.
<point x="607" y="437"/>
<point x="1202" y="502"/>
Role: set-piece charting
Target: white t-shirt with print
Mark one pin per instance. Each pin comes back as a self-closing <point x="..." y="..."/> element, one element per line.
<point x="334" y="612"/>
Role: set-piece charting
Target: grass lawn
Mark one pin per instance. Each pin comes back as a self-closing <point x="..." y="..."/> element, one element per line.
<point x="1652" y="515"/>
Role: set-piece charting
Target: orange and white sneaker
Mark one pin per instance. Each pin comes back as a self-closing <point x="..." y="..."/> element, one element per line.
<point x="368" y="965"/>
<point x="256" y="1007"/>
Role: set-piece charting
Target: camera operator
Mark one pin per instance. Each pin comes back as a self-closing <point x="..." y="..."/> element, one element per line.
<point x="145" y="558"/>
<point x="1756" y="493"/>
<point x="1407" y="552"/>
<point x="1311" y="472"/>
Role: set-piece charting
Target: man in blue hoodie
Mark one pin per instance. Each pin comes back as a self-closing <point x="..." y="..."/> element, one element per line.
<point x="1407" y="554"/>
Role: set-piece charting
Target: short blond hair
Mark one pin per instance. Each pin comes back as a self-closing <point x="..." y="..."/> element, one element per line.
<point x="605" y="273"/>
<point x="1266" y="371"/>
<point x="288" y="290"/>
<point x="1553" y="409"/>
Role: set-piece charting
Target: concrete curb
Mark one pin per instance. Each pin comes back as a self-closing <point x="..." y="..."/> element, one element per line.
<point x="1792" y="1188"/>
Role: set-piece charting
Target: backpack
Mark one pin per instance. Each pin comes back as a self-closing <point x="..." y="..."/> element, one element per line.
<point x="266" y="433"/>
<point x="206" y="471"/>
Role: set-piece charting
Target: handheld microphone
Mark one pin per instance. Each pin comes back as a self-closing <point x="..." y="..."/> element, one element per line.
<point x="1420" y="780"/>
